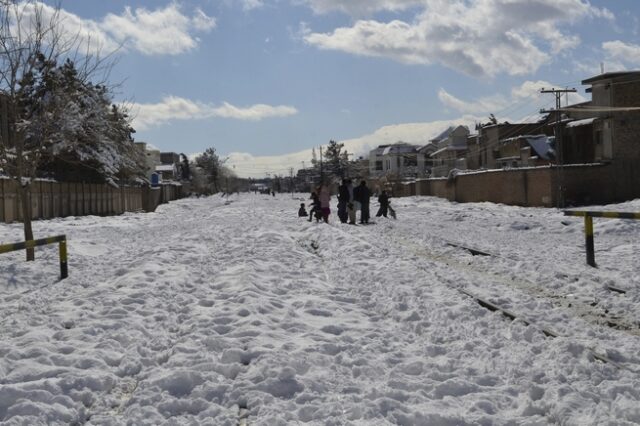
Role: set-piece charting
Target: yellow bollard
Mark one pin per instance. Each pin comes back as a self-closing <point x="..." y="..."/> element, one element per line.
<point x="588" y="233"/>
<point x="64" y="271"/>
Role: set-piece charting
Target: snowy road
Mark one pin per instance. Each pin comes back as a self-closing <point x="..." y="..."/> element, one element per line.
<point x="208" y="309"/>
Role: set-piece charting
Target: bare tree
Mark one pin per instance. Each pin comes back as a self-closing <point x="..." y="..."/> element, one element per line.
<point x="32" y="43"/>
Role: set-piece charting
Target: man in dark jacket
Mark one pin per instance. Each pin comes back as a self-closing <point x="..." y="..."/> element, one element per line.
<point x="343" y="199"/>
<point x="383" y="199"/>
<point x="362" y="194"/>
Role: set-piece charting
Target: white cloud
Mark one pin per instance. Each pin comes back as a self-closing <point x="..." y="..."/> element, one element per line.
<point x="202" y="22"/>
<point x="484" y="105"/>
<point x="525" y="99"/>
<point x="531" y="90"/>
<point x="252" y="4"/>
<point x="360" y="7"/>
<point x="480" y="37"/>
<point x="620" y="52"/>
<point x="175" y="108"/>
<point x="253" y="113"/>
<point x="163" y="31"/>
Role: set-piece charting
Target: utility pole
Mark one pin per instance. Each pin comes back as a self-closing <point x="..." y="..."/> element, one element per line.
<point x="558" y="132"/>
<point x="346" y="156"/>
<point x="321" y="170"/>
<point x="291" y="180"/>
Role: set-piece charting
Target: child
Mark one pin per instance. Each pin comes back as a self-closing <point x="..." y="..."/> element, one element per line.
<point x="302" y="212"/>
<point x="314" y="210"/>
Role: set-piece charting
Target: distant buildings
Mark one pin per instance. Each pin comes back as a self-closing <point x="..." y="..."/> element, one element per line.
<point x="400" y="159"/>
<point x="166" y="165"/>
<point x="598" y="139"/>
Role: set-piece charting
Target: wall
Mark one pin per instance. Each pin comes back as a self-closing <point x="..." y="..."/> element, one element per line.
<point x="584" y="184"/>
<point x="54" y="199"/>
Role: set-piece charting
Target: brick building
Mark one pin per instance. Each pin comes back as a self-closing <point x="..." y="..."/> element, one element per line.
<point x="484" y="149"/>
<point x="609" y="133"/>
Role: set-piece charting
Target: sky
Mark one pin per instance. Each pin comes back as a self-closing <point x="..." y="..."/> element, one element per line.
<point x="264" y="81"/>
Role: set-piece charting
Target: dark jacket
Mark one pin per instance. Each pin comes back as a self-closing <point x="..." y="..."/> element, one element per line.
<point x="343" y="194"/>
<point x="361" y="194"/>
<point x="383" y="199"/>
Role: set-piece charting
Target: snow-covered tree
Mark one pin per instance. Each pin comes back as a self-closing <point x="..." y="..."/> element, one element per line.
<point x="212" y="168"/>
<point x="93" y="136"/>
<point x="35" y="112"/>
<point x="335" y="160"/>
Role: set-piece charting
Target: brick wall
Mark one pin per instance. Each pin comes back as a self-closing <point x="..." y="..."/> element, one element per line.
<point x="584" y="184"/>
<point x="626" y="136"/>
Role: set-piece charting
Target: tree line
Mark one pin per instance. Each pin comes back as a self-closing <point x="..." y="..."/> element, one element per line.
<point x="58" y="118"/>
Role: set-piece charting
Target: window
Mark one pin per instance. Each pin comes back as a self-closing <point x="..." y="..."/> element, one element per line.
<point x="379" y="165"/>
<point x="410" y="160"/>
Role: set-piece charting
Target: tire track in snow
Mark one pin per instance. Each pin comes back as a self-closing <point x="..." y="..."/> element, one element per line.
<point x="449" y="261"/>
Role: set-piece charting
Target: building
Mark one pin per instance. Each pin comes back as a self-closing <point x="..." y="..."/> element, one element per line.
<point x="526" y="151"/>
<point x="376" y="167"/>
<point x="151" y="158"/>
<point x="424" y="160"/>
<point x="451" y="147"/>
<point x="169" y="158"/>
<point x="607" y="131"/>
<point x="399" y="159"/>
<point x="484" y="150"/>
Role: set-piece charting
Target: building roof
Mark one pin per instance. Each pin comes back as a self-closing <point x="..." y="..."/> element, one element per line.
<point x="443" y="135"/>
<point x="448" y="148"/>
<point x="400" y="148"/>
<point x="378" y="150"/>
<point x="164" y="168"/>
<point x="584" y="122"/>
<point x="541" y="144"/>
<point x="428" y="147"/>
<point x="619" y="75"/>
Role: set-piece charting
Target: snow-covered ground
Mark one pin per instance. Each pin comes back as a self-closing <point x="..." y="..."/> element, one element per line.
<point x="210" y="310"/>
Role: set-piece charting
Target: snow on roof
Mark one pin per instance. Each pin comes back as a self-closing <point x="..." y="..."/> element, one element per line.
<point x="164" y="168"/>
<point x="448" y="148"/>
<point x="584" y="122"/>
<point x="541" y="145"/>
<point x="399" y="148"/>
<point x="427" y="147"/>
<point x="444" y="134"/>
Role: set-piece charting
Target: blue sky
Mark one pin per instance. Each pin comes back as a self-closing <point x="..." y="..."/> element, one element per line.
<point x="263" y="81"/>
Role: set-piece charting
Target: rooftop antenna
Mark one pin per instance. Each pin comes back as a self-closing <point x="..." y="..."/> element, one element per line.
<point x="601" y="67"/>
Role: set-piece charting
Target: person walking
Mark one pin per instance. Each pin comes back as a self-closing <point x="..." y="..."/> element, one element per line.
<point x="324" y="196"/>
<point x="343" y="200"/>
<point x="315" y="206"/>
<point x="351" y="208"/>
<point x="383" y="199"/>
<point x="362" y="194"/>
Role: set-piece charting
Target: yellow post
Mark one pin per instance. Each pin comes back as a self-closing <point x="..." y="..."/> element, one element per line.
<point x="588" y="233"/>
<point x="64" y="271"/>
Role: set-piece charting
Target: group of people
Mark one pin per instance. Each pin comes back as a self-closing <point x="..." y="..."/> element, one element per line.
<point x="350" y="200"/>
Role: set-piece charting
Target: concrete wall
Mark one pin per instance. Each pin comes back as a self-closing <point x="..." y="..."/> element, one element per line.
<point x="54" y="199"/>
<point x="584" y="184"/>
